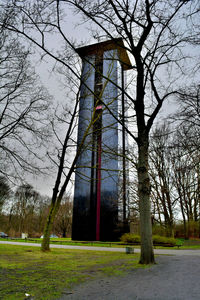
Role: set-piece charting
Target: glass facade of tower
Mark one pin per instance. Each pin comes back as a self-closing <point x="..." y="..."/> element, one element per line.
<point x="97" y="178"/>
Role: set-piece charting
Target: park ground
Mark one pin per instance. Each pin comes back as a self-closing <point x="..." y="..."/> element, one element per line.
<point x="172" y="278"/>
<point x="27" y="273"/>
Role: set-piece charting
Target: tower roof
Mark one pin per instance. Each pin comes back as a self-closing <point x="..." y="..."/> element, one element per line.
<point x="101" y="47"/>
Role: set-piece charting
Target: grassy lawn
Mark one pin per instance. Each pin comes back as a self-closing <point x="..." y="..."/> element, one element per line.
<point x="25" y="269"/>
<point x="191" y="244"/>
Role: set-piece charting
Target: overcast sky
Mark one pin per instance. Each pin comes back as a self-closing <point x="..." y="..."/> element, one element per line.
<point x="82" y="36"/>
<point x="51" y="80"/>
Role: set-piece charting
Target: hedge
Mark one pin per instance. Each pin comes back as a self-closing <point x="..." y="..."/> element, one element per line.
<point x="130" y="238"/>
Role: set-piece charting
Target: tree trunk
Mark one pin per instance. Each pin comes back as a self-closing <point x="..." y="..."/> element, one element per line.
<point x="147" y="254"/>
<point x="48" y="228"/>
<point x="64" y="235"/>
<point x="169" y="229"/>
<point x="183" y="215"/>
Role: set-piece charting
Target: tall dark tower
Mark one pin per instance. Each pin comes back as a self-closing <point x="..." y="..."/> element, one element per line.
<point x="100" y="172"/>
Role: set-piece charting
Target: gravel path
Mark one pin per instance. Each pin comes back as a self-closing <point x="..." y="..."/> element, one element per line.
<point x="172" y="278"/>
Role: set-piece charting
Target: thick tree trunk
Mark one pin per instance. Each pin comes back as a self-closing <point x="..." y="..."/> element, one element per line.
<point x="147" y="254"/>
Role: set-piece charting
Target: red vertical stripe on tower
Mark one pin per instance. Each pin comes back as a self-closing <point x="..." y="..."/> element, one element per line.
<point x="98" y="188"/>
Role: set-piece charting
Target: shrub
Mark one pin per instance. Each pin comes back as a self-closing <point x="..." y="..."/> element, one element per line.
<point x="162" y="240"/>
<point x="130" y="238"/>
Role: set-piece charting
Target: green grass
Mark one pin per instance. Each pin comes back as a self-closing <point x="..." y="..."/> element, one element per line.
<point x="190" y="244"/>
<point x="25" y="269"/>
<point x="197" y="247"/>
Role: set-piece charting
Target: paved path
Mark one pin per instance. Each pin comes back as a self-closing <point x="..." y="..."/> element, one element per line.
<point x="172" y="278"/>
<point x="111" y="249"/>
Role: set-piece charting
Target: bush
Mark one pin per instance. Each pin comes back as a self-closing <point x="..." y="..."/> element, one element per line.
<point x="130" y="238"/>
<point x="162" y="240"/>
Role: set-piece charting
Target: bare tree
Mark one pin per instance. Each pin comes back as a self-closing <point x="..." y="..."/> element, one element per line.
<point x="161" y="177"/>
<point x="186" y="156"/>
<point x="185" y="166"/>
<point x="150" y="30"/>
<point x="4" y="191"/>
<point x="156" y="33"/>
<point x="23" y="110"/>
<point x="25" y="211"/>
<point x="23" y="207"/>
<point x="187" y="117"/>
<point x="63" y="220"/>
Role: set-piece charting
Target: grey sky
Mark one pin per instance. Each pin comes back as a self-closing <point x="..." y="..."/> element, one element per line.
<point x="80" y="34"/>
